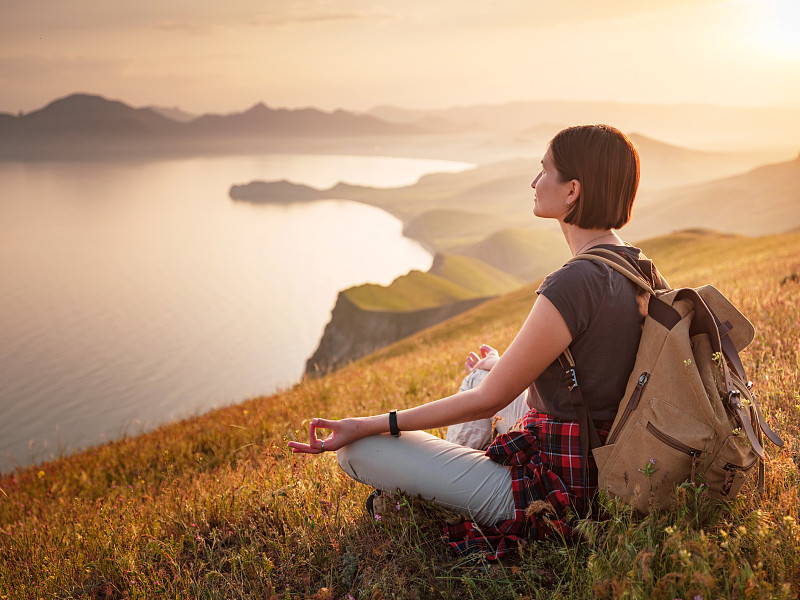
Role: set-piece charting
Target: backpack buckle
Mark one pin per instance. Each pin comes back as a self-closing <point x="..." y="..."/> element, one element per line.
<point x="572" y="378"/>
<point x="735" y="399"/>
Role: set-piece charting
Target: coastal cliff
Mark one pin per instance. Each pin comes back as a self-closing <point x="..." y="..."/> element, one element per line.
<point x="354" y="332"/>
<point x="370" y="316"/>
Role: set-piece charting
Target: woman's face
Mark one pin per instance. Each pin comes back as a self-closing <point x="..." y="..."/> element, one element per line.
<point x="551" y="195"/>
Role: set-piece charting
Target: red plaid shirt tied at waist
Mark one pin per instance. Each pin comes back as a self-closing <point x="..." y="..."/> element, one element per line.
<point x="546" y="477"/>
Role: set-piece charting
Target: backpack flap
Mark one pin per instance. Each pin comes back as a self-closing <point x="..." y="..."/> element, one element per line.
<point x="741" y="331"/>
<point x="736" y="328"/>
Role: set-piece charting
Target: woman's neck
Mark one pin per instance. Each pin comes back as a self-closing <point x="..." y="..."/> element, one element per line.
<point x="579" y="239"/>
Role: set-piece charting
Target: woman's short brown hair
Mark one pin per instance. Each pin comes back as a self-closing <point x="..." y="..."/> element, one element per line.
<point x="606" y="163"/>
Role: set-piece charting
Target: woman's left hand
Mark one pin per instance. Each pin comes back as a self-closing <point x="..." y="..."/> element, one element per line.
<point x="343" y="432"/>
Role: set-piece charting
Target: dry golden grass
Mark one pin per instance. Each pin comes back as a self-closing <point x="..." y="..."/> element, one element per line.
<point x="215" y="507"/>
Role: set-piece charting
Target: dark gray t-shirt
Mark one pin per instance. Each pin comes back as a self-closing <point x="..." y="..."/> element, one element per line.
<point x="600" y="309"/>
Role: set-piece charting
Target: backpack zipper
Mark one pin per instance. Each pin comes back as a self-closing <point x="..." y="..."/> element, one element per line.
<point x="671" y="441"/>
<point x="678" y="445"/>
<point x="632" y="404"/>
<point x="732" y="467"/>
<point x="730" y="474"/>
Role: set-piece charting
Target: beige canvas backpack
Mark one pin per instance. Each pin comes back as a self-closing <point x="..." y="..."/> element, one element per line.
<point x="688" y="414"/>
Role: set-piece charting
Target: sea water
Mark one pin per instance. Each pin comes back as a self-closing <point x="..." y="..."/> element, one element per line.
<point x="136" y="293"/>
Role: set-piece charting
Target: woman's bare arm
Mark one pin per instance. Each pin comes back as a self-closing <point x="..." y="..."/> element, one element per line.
<point x="543" y="336"/>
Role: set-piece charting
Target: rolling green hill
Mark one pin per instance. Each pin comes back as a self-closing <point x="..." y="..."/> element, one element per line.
<point x="450" y="279"/>
<point x="526" y="253"/>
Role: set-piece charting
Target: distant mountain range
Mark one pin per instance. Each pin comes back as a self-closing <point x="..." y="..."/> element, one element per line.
<point x="89" y="125"/>
<point x="92" y="127"/>
<point x="696" y="125"/>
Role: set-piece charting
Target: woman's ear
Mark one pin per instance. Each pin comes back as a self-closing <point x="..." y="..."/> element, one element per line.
<point x="573" y="191"/>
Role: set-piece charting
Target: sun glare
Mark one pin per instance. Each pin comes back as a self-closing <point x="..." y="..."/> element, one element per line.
<point x="776" y="27"/>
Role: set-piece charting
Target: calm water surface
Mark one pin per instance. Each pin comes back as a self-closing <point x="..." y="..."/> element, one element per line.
<point x="134" y="294"/>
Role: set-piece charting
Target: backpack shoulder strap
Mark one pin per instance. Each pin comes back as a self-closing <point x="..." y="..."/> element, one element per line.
<point x="589" y="438"/>
<point x="619" y="264"/>
<point x="588" y="432"/>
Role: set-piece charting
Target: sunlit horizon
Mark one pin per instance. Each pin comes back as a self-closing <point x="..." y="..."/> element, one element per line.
<point x="205" y="57"/>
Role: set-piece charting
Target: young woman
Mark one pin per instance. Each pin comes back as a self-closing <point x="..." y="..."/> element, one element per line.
<point x="525" y="484"/>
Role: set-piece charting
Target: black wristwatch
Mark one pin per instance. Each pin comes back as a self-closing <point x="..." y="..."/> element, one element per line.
<point x="393" y="428"/>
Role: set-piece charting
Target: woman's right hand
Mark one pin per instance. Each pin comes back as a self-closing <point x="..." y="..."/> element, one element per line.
<point x="488" y="358"/>
<point x="343" y="432"/>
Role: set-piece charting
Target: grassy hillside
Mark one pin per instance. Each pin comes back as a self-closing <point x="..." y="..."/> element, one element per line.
<point x="450" y="279"/>
<point x="529" y="254"/>
<point x="215" y="507"/>
<point x="474" y="275"/>
<point x="666" y="165"/>
<point x="762" y="201"/>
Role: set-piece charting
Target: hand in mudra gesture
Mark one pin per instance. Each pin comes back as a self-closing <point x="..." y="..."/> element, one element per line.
<point x="343" y="432"/>
<point x="488" y="358"/>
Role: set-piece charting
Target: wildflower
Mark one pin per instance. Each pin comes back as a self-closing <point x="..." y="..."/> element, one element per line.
<point x="649" y="468"/>
<point x="669" y="530"/>
<point x="350" y="597"/>
<point x="377" y="517"/>
<point x="398" y="506"/>
<point x="697" y="597"/>
<point x="40" y="474"/>
<point x="687" y="362"/>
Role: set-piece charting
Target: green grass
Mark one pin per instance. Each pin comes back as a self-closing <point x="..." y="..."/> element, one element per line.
<point x="451" y="279"/>
<point x="475" y="275"/>
<point x="215" y="506"/>
<point x="527" y="253"/>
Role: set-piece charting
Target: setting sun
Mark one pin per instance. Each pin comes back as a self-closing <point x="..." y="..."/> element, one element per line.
<point x="776" y="28"/>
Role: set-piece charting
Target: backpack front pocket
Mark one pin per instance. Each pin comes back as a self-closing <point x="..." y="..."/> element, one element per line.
<point x="730" y="468"/>
<point x="665" y="448"/>
<point x="688" y="452"/>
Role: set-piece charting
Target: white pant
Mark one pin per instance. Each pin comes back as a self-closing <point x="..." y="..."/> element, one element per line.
<point x="460" y="478"/>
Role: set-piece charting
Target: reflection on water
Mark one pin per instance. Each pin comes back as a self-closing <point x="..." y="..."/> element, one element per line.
<point x="138" y="293"/>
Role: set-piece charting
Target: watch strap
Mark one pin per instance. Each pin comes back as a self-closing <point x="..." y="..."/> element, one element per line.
<point x="393" y="428"/>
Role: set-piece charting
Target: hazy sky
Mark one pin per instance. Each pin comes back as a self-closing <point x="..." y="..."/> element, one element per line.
<point x="215" y="56"/>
